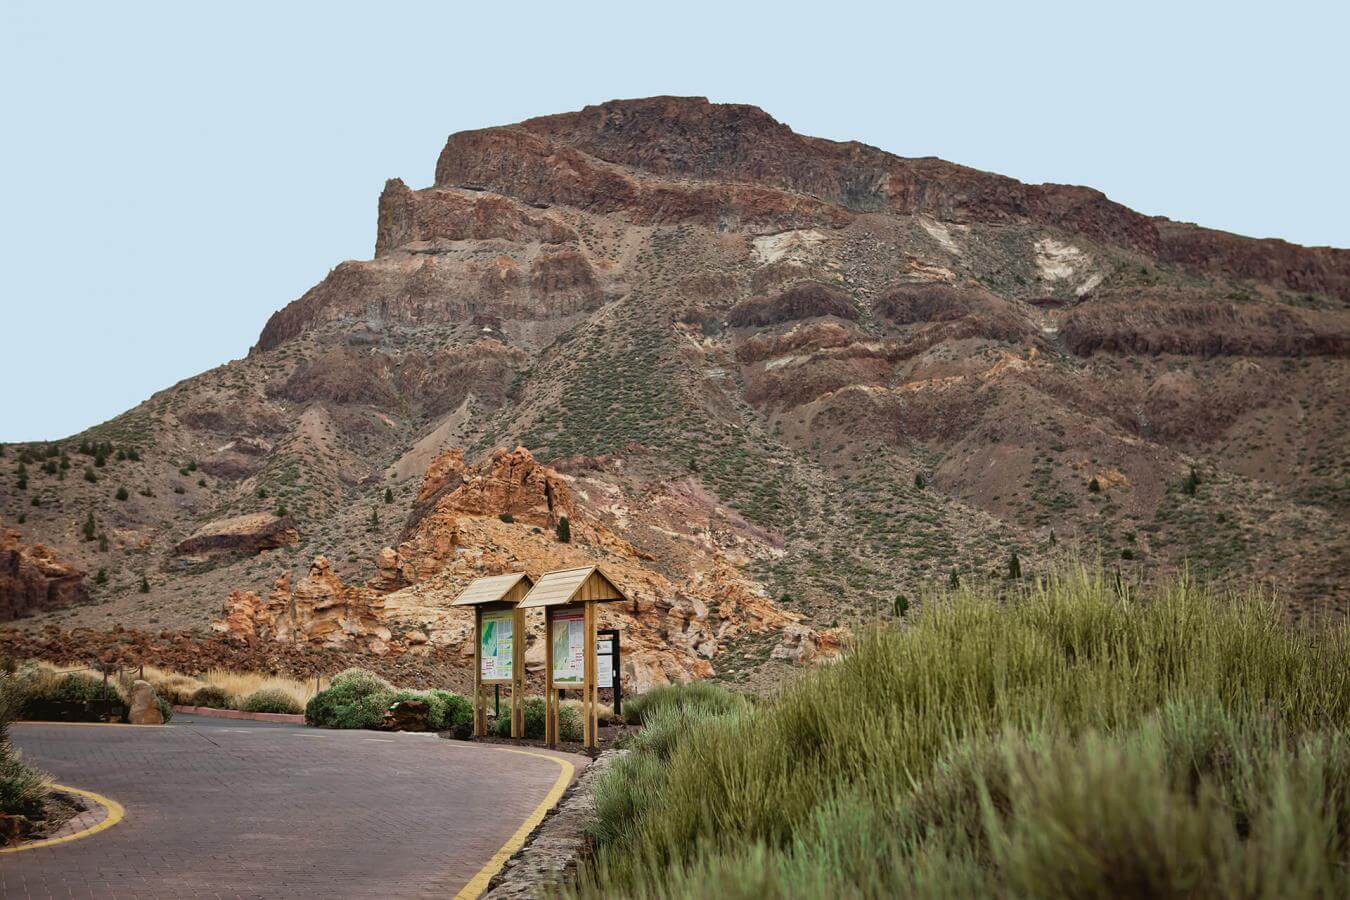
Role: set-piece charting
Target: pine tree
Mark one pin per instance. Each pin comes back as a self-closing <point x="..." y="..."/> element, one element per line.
<point x="388" y="495"/>
<point x="134" y="455"/>
<point x="953" y="580"/>
<point x="90" y="527"/>
<point x="919" y="481"/>
<point x="121" y="493"/>
<point x="564" y="530"/>
<point x="901" y="605"/>
<point x="1192" y="482"/>
<point x="1014" y="567"/>
<point x="281" y="510"/>
<point x="101" y="577"/>
<point x="145" y="584"/>
<point x="22" y="472"/>
<point x="374" y="521"/>
<point x="1094" y="486"/>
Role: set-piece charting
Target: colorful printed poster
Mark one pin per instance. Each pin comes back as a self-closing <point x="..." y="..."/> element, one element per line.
<point x="569" y="649"/>
<point x="495" y="646"/>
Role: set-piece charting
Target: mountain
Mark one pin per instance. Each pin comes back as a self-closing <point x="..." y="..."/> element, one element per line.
<point x="813" y="374"/>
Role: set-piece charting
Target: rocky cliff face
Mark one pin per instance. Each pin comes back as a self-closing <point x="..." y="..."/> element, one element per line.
<point x="33" y="580"/>
<point x="774" y="381"/>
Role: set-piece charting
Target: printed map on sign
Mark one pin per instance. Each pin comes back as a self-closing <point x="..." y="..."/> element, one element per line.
<point x="569" y="649"/>
<point x="494" y="645"/>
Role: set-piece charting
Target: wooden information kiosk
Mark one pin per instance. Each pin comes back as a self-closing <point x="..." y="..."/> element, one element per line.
<point x="568" y="598"/>
<point x="499" y="643"/>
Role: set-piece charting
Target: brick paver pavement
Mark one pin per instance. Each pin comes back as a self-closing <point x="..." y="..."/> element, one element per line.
<point x="219" y="808"/>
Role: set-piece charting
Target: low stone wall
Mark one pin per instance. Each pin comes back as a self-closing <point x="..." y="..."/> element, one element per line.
<point x="551" y="853"/>
<point x="211" y="712"/>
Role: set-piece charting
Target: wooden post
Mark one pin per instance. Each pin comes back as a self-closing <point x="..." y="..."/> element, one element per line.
<point x="518" y="673"/>
<point x="550" y="695"/>
<point x="588" y="688"/>
<point x="479" y="712"/>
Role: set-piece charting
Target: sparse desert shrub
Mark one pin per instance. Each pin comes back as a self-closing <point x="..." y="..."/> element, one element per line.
<point x="701" y="694"/>
<point x="271" y="700"/>
<point x="121" y="494"/>
<point x="212" y="696"/>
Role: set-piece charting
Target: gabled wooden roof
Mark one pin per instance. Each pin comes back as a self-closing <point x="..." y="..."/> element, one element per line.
<point x="512" y="587"/>
<point x="571" y="586"/>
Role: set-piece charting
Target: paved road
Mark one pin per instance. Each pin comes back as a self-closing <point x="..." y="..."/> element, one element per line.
<point x="220" y="808"/>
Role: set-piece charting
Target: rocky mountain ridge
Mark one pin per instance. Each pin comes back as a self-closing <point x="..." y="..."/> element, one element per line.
<point x="839" y="375"/>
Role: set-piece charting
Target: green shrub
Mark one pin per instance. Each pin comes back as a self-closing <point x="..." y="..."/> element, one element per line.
<point x="361" y="681"/>
<point x="271" y="700"/>
<point x="356" y="698"/>
<point x="211" y="696"/>
<point x="165" y="708"/>
<point x="74" y="687"/>
<point x="22" y="788"/>
<point x="1068" y="743"/>
<point x="701" y="694"/>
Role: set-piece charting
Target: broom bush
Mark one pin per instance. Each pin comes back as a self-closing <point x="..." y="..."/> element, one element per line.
<point x="1061" y="739"/>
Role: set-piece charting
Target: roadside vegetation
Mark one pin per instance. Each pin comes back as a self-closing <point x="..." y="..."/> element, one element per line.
<point x="23" y="789"/>
<point x="358" y="698"/>
<point x="1066" y="739"/>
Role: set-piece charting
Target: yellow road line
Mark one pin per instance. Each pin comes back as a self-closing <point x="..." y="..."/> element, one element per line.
<point x="113" y="816"/>
<point x="478" y="884"/>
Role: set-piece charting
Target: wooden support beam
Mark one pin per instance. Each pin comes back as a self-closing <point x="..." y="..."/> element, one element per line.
<point x="518" y="674"/>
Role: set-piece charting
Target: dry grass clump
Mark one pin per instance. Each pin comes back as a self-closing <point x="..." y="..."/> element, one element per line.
<point x="179" y="689"/>
<point x="1068" y="741"/>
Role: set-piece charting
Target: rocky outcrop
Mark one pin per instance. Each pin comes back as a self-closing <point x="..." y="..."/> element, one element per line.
<point x="319" y="610"/>
<point x="33" y="579"/>
<point x="1194" y="325"/>
<point x="437" y="214"/>
<point x="801" y="301"/>
<point x="240" y="535"/>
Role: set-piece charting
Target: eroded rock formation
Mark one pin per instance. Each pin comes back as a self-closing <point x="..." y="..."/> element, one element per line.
<point x="33" y="579"/>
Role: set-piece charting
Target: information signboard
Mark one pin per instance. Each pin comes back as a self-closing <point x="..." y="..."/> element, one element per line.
<point x="495" y="646"/>
<point x="604" y="663"/>
<point x="569" y="649"/>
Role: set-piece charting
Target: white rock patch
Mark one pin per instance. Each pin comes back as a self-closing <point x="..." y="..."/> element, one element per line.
<point x="791" y="245"/>
<point x="942" y="234"/>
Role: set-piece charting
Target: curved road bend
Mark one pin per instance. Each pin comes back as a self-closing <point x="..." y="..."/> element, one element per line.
<point x="223" y="808"/>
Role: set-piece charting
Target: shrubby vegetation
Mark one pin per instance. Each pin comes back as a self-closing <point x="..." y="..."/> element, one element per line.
<point x="1069" y="741"/>
<point x="569" y="720"/>
<point x="23" y="789"/>
<point x="271" y="700"/>
<point x="359" y="699"/>
<point x="703" y="695"/>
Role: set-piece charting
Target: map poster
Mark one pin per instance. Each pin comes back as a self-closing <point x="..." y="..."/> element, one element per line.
<point x="569" y="648"/>
<point x="494" y="644"/>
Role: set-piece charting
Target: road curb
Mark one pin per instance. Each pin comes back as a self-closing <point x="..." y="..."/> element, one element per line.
<point x="480" y="882"/>
<point x="113" y="814"/>
<point x="213" y="713"/>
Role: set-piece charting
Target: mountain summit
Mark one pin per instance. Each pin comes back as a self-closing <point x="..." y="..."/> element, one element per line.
<point x="791" y="378"/>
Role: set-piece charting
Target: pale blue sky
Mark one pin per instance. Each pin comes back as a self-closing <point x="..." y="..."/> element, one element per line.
<point x="171" y="173"/>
